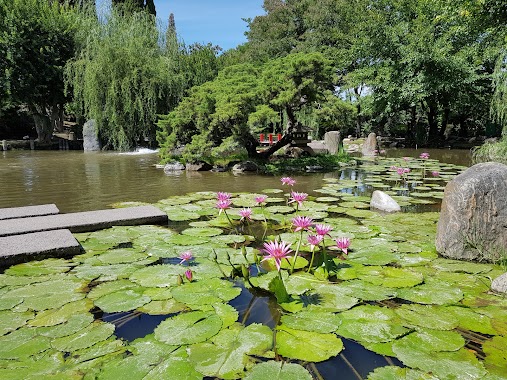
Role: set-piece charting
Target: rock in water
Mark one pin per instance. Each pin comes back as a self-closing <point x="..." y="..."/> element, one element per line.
<point x="370" y="145"/>
<point x="91" y="142"/>
<point x="332" y="140"/>
<point x="173" y="167"/>
<point x="473" y="219"/>
<point x="499" y="284"/>
<point x="384" y="202"/>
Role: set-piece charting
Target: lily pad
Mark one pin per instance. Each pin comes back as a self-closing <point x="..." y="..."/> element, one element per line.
<point x="22" y="343"/>
<point x="202" y="232"/>
<point x="321" y="322"/>
<point x="496" y="354"/>
<point x="370" y="331"/>
<point x="10" y="321"/>
<point x="306" y="345"/>
<point x="56" y="316"/>
<point x="398" y="373"/>
<point x="123" y="300"/>
<point x="227" y="356"/>
<point x="274" y="370"/>
<point x="429" y="316"/>
<point x="188" y="328"/>
<point x="432" y="292"/>
<point x="432" y="340"/>
<point x="207" y="292"/>
<point x="87" y="337"/>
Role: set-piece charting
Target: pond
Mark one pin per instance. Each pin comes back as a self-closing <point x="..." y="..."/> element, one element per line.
<point x="390" y="304"/>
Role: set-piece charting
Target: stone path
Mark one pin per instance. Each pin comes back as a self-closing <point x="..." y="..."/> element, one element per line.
<point x="25" y="236"/>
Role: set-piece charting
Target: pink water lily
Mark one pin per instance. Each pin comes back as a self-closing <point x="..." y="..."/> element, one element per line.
<point x="186" y="256"/>
<point x="189" y="275"/>
<point x="424" y="155"/>
<point x="298" y="197"/>
<point x="400" y="171"/>
<point x="223" y="196"/>
<point x="302" y="223"/>
<point x="314" y="240"/>
<point x="343" y="243"/>
<point x="246" y="213"/>
<point x="260" y="199"/>
<point x="406" y="170"/>
<point x="435" y="173"/>
<point x="407" y="158"/>
<point x="288" y="181"/>
<point x="278" y="251"/>
<point x="394" y="167"/>
<point x="323" y="229"/>
<point x="223" y="204"/>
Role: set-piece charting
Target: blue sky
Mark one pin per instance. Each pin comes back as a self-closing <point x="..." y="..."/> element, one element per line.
<point x="216" y="21"/>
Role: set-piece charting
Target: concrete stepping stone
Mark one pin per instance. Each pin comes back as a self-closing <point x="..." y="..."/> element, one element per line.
<point x="28" y="211"/>
<point x="85" y="221"/>
<point x="39" y="245"/>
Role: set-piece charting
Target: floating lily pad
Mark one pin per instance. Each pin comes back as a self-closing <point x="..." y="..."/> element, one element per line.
<point x="370" y="331"/>
<point x="277" y="370"/>
<point x="110" y="287"/>
<point x="39" y="268"/>
<point x="432" y="292"/>
<point x="496" y="354"/>
<point x="10" y="321"/>
<point x="121" y="256"/>
<point x="397" y="373"/>
<point x="209" y="292"/>
<point x="187" y="240"/>
<point x="156" y="276"/>
<point x="56" y="316"/>
<point x="74" y="324"/>
<point x="306" y="345"/>
<point x="321" y="322"/>
<point x="202" y="232"/>
<point x="433" y="317"/>
<point x="93" y="333"/>
<point x="123" y="300"/>
<point x="227" y="355"/>
<point x="188" y="328"/>
<point x="432" y="340"/>
<point x="22" y="343"/>
<point x="390" y="276"/>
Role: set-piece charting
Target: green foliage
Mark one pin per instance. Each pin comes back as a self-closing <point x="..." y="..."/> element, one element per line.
<point x="123" y="53"/>
<point x="491" y="152"/>
<point x="36" y="40"/>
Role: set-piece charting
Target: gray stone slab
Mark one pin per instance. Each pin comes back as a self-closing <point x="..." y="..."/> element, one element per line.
<point x="85" y="221"/>
<point x="39" y="245"/>
<point x="28" y="211"/>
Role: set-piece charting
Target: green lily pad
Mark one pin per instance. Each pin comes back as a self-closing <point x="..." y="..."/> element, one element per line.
<point x="56" y="316"/>
<point x="100" y="349"/>
<point x="186" y="240"/>
<point x="162" y="307"/>
<point x="468" y="319"/>
<point x="429" y="316"/>
<point x="123" y="300"/>
<point x="121" y="256"/>
<point x="22" y="343"/>
<point x="321" y="322"/>
<point x="10" y="321"/>
<point x="104" y="272"/>
<point x="390" y="276"/>
<point x="48" y="366"/>
<point x="39" y="268"/>
<point x="207" y="292"/>
<point x="278" y="371"/>
<point x="432" y="292"/>
<point x="227" y="355"/>
<point x="156" y="276"/>
<point x="87" y="337"/>
<point x="370" y="331"/>
<point x="307" y="345"/>
<point x="366" y="291"/>
<point x="202" y="232"/>
<point x="110" y="287"/>
<point x="74" y="324"/>
<point x="398" y="373"/>
<point x="432" y="340"/>
<point x="188" y="328"/>
<point x="496" y="354"/>
<point x="459" y="365"/>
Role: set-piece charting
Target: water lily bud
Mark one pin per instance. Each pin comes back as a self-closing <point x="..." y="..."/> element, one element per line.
<point x="245" y="272"/>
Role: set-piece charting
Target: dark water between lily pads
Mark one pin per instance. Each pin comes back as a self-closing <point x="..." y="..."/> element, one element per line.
<point x="76" y="181"/>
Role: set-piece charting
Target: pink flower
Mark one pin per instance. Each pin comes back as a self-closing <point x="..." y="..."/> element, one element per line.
<point x="343" y="243"/>
<point x="246" y="213"/>
<point x="298" y="197"/>
<point x="288" y="181"/>
<point x="186" y="256"/>
<point x="323" y="229"/>
<point x="223" y="204"/>
<point x="314" y="240"/>
<point x="400" y="171"/>
<point x="278" y="251"/>
<point x="189" y="275"/>
<point x="223" y="196"/>
<point x="406" y="170"/>
<point x="260" y="199"/>
<point x="302" y="223"/>
<point x="395" y="168"/>
<point x="424" y="156"/>
<point x="435" y="174"/>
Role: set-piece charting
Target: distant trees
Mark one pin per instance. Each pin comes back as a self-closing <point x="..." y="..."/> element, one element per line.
<point x="242" y="99"/>
<point x="36" y="40"/>
<point x="131" y="6"/>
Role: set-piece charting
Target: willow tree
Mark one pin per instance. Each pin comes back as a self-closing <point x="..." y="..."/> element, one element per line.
<point x="120" y="78"/>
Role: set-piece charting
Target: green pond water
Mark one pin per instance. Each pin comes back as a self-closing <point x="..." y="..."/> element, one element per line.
<point x="389" y="309"/>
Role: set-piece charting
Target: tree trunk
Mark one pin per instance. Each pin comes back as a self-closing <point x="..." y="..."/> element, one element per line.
<point x="433" y="123"/>
<point x="358" y="118"/>
<point x="251" y="145"/>
<point x="445" y="121"/>
<point x="463" y="127"/>
<point x="43" y="128"/>
<point x="409" y="136"/>
<point x="56" y="117"/>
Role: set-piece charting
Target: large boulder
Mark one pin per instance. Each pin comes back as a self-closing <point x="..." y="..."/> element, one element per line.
<point x="383" y="202"/>
<point x="332" y="140"/>
<point x="174" y="166"/>
<point x="473" y="219"/>
<point x="246" y="166"/>
<point x="91" y="142"/>
<point x="198" y="166"/>
<point x="499" y="284"/>
<point x="370" y="147"/>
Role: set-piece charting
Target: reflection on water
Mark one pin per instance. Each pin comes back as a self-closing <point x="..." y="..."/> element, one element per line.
<point x="78" y="181"/>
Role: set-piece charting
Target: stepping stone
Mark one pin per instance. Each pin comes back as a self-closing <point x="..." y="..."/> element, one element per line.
<point x="28" y="211"/>
<point x="39" y="245"/>
<point x="84" y="221"/>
